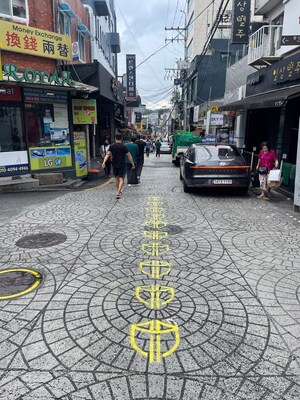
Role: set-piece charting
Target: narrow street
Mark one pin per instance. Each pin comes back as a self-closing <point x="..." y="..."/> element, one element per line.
<point x="158" y="295"/>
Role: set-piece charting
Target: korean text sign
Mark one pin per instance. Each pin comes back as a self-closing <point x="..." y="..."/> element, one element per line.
<point x="240" y="21"/>
<point x="131" y="75"/>
<point x="25" y="39"/>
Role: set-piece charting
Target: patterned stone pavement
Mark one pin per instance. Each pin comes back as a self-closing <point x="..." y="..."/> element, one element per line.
<point x="224" y="322"/>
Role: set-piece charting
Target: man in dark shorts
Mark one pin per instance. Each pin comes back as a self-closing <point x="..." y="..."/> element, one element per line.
<point x="140" y="157"/>
<point x="118" y="151"/>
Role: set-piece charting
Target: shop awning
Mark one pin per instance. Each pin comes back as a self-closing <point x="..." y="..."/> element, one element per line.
<point x="83" y="29"/>
<point x="78" y="86"/>
<point x="67" y="9"/>
<point x="273" y="98"/>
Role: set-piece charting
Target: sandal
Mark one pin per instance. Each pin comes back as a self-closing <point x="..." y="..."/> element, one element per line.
<point x="261" y="196"/>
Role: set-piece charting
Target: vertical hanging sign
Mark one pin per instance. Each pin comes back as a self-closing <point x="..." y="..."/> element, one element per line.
<point x="131" y="75"/>
<point x="240" y="21"/>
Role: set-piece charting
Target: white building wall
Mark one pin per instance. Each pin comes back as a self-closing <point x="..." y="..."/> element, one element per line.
<point x="100" y="50"/>
<point x="198" y="32"/>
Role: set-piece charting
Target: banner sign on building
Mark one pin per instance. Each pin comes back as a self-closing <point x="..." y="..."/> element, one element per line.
<point x="131" y="75"/>
<point x="43" y="158"/>
<point x="80" y="154"/>
<point x="84" y="112"/>
<point x="13" y="163"/>
<point x="240" y="21"/>
<point x="37" y="42"/>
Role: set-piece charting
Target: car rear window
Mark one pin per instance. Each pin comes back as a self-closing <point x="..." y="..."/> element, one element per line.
<point x="216" y="153"/>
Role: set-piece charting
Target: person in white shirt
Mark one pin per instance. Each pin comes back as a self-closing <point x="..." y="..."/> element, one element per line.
<point x="103" y="151"/>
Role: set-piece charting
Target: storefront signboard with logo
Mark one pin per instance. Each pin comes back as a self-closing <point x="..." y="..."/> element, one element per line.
<point x="30" y="75"/>
<point x="43" y="158"/>
<point x="13" y="163"/>
<point x="216" y="119"/>
<point x="37" y="42"/>
<point x="80" y="154"/>
<point x="84" y="112"/>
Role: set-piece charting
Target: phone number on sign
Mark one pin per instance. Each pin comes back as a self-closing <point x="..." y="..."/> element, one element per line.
<point x="14" y="169"/>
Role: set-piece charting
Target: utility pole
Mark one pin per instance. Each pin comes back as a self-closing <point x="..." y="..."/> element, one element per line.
<point x="181" y="65"/>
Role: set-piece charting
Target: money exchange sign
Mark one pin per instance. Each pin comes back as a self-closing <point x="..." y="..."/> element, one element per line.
<point x="37" y="42"/>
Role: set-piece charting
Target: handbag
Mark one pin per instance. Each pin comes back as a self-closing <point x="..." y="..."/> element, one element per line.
<point x="132" y="177"/>
<point x="262" y="170"/>
<point x="274" y="175"/>
<point x="255" y="179"/>
<point x="274" y="179"/>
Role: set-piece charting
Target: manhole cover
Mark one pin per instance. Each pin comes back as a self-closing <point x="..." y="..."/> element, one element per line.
<point x="171" y="229"/>
<point x="40" y="240"/>
<point x="18" y="281"/>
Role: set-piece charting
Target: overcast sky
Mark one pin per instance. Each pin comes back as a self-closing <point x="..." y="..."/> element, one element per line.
<point x="141" y="25"/>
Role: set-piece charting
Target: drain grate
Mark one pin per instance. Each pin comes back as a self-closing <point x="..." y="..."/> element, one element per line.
<point x="41" y="240"/>
<point x="18" y="281"/>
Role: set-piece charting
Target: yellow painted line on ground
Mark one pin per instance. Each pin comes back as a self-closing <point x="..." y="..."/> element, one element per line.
<point x="153" y="296"/>
<point x="38" y="281"/>
<point x="102" y="184"/>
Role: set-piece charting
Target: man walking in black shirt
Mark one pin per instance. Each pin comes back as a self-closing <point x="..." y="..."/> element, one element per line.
<point x="118" y="150"/>
<point x="141" y="156"/>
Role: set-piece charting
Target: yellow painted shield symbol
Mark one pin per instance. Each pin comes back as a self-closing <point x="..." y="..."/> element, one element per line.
<point x="155" y="249"/>
<point x="154" y="294"/>
<point x="153" y="331"/>
<point x="155" y="235"/>
<point x="155" y="269"/>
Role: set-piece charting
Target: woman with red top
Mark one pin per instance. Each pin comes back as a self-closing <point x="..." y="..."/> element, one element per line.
<point x="267" y="158"/>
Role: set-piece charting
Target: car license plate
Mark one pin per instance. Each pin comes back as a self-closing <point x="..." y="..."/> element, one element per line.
<point x="222" y="181"/>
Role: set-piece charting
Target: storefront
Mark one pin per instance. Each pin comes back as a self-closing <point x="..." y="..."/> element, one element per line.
<point x="36" y="132"/>
<point x="36" y="126"/>
<point x="110" y="102"/>
<point x="13" y="148"/>
<point x="272" y="107"/>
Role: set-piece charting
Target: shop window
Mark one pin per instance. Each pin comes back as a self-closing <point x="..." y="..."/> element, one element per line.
<point x="81" y="42"/>
<point x="14" y="9"/>
<point x="11" y="133"/>
<point x="64" y="24"/>
<point x="224" y="57"/>
<point x="46" y="124"/>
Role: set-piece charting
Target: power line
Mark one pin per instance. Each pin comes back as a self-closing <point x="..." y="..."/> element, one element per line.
<point x="141" y="51"/>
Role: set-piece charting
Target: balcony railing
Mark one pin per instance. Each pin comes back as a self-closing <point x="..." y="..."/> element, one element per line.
<point x="263" y="45"/>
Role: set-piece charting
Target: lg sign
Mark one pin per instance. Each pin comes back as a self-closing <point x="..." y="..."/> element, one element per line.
<point x="10" y="93"/>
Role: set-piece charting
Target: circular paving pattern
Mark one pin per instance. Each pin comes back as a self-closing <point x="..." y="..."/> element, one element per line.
<point x="239" y="219"/>
<point x="67" y="213"/>
<point x="65" y="241"/>
<point x="17" y="282"/>
<point x="259" y="245"/>
<point x="170" y="229"/>
<point x="211" y="312"/>
<point x="179" y="250"/>
<point x="40" y="240"/>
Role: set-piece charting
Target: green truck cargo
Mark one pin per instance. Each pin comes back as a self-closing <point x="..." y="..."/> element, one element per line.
<point x="182" y="140"/>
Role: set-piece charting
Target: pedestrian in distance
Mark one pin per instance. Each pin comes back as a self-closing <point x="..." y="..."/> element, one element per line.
<point x="103" y="151"/>
<point x="117" y="151"/>
<point x="148" y="147"/>
<point x="131" y="172"/>
<point x="267" y="160"/>
<point x="157" y="147"/>
<point x="140" y="157"/>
